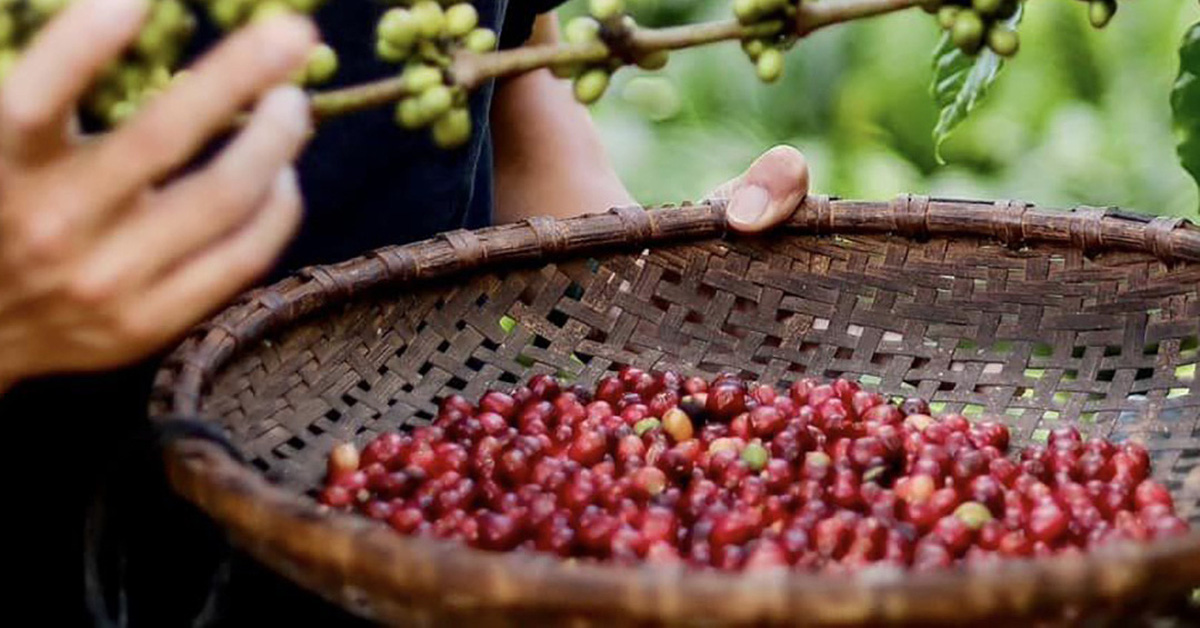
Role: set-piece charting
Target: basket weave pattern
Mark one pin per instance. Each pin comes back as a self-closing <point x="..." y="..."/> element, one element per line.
<point x="1034" y="316"/>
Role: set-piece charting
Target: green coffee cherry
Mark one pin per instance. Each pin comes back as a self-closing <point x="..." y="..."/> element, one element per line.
<point x="1101" y="12"/>
<point x="399" y="28"/>
<point x="419" y="77"/>
<point x="453" y="129"/>
<point x="606" y="9"/>
<point x="656" y="60"/>
<point x="480" y="40"/>
<point x="390" y="53"/>
<point x="322" y="65"/>
<point x="461" y="19"/>
<point x="590" y="86"/>
<point x="1003" y="42"/>
<point x="646" y="425"/>
<point x="770" y="65"/>
<point x="435" y="101"/>
<point x="968" y="31"/>
<point x="264" y="10"/>
<point x="747" y="11"/>
<point x="430" y="18"/>
<point x="755" y="456"/>
<point x="987" y="7"/>
<point x="227" y="13"/>
<point x="566" y="70"/>
<point x="121" y="112"/>
<point x="753" y="48"/>
<point x="582" y="30"/>
<point x="946" y="16"/>
<point x="931" y="6"/>
<point x="409" y="114"/>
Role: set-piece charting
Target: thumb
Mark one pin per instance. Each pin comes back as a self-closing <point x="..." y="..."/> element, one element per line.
<point x="768" y="192"/>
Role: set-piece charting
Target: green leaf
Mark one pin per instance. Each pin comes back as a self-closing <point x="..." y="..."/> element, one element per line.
<point x="960" y="81"/>
<point x="1185" y="102"/>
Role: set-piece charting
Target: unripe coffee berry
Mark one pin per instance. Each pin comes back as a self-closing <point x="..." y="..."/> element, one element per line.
<point x="399" y="28"/>
<point x="987" y="7"/>
<point x="755" y="456"/>
<point x="322" y="65"/>
<point x="1003" y="41"/>
<point x="590" y="86"/>
<point x="418" y="78"/>
<point x="1100" y="12"/>
<point x="430" y="18"/>
<point x="461" y="19"/>
<point x="435" y="101"/>
<point x="656" y="60"/>
<point x="646" y="425"/>
<point x="390" y="53"/>
<point x="770" y="65"/>
<point x="582" y="30"/>
<point x="968" y="31"/>
<point x="409" y="114"/>
<point x="453" y="129"/>
<point x="677" y="423"/>
<point x="606" y="9"/>
<point x="480" y="40"/>
<point x="946" y="16"/>
<point x="747" y="11"/>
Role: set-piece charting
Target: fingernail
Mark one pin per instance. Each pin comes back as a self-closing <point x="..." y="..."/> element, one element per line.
<point x="121" y="13"/>
<point x="288" y="106"/>
<point x="287" y="40"/>
<point x="749" y="203"/>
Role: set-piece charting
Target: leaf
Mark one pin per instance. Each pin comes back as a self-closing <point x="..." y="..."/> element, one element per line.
<point x="960" y="81"/>
<point x="1185" y="102"/>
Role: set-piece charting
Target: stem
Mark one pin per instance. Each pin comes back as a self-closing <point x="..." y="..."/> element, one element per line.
<point x="471" y="70"/>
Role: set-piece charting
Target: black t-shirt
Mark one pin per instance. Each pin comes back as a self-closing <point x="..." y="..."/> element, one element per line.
<point x="79" y="462"/>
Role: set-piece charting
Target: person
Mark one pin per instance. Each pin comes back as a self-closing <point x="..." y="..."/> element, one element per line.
<point x="113" y="245"/>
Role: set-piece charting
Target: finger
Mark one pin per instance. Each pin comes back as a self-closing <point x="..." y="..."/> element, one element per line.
<point x="208" y="280"/>
<point x="767" y="193"/>
<point x="205" y="206"/>
<point x="41" y="94"/>
<point x="179" y="122"/>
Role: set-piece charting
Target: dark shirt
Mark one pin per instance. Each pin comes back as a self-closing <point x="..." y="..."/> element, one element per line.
<point x="82" y="465"/>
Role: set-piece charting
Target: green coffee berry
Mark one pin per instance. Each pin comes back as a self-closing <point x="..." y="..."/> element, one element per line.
<point x="565" y="70"/>
<point x="453" y="129"/>
<point x="590" y="86"/>
<point x="435" y="101"/>
<point x="987" y="7"/>
<point x="747" y="11"/>
<point x="646" y="425"/>
<point x="656" y="60"/>
<point x="431" y="20"/>
<point x="770" y="65"/>
<point x="946" y="16"/>
<point x="931" y="6"/>
<point x="399" y="28"/>
<point x="753" y="48"/>
<point x="606" y="9"/>
<point x="264" y="10"/>
<point x="409" y="114"/>
<point x="227" y="13"/>
<point x="386" y="51"/>
<point x="461" y="19"/>
<point x="1101" y="12"/>
<point x="1003" y="42"/>
<point x="582" y="30"/>
<point x="480" y="40"/>
<point x="121" y="112"/>
<point x="755" y="456"/>
<point x="322" y="65"/>
<point x="419" y="77"/>
<point x="968" y="31"/>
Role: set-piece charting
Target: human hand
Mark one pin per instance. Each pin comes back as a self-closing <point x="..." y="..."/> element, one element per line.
<point x="768" y="192"/>
<point x="104" y="256"/>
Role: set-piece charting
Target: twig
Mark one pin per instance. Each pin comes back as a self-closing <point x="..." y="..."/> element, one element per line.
<point x="471" y="70"/>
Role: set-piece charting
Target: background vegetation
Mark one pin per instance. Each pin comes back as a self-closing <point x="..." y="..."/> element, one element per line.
<point x="1079" y="116"/>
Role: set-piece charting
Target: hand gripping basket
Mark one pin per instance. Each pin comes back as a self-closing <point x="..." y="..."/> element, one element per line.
<point x="1000" y="309"/>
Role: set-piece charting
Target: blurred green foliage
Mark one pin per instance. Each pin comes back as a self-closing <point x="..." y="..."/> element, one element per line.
<point x="1079" y="116"/>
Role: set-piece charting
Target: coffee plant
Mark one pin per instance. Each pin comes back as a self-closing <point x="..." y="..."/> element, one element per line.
<point x="442" y="54"/>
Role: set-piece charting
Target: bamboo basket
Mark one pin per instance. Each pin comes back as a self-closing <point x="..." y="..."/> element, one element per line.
<point x="1036" y="316"/>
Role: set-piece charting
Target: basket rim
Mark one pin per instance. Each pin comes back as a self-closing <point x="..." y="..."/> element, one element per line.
<point x="269" y="519"/>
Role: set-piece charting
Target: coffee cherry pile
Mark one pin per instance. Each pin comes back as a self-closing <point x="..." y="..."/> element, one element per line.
<point x="657" y="468"/>
<point x="973" y="24"/>
<point x="767" y="52"/>
<point x="142" y="71"/>
<point x="424" y="36"/>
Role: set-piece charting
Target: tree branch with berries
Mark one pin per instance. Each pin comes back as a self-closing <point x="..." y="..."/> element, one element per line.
<point x="442" y="54"/>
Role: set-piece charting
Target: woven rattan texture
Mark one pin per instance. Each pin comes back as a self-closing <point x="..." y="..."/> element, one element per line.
<point x="1035" y="336"/>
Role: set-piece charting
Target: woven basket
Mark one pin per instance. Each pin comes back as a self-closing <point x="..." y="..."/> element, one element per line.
<point x="1036" y="316"/>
